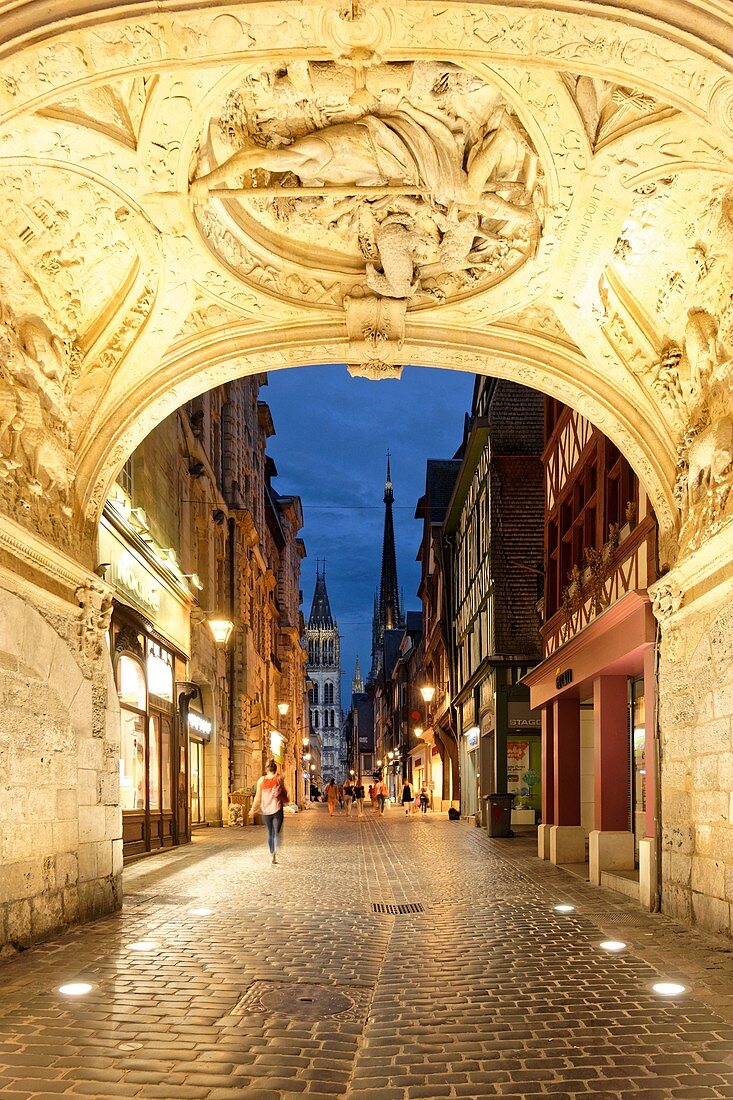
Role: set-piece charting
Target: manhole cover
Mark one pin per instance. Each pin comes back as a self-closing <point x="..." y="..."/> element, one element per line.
<point x="401" y="910"/>
<point x="299" y="1000"/>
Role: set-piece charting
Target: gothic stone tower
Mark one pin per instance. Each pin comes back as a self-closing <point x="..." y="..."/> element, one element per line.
<point x="324" y="669"/>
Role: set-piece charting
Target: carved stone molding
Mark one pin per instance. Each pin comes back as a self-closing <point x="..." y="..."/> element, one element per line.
<point x="667" y="598"/>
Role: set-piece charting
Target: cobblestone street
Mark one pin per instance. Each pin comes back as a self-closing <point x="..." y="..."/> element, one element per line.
<point x="489" y="991"/>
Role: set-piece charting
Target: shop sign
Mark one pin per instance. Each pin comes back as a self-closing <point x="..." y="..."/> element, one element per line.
<point x="142" y="589"/>
<point x="199" y="724"/>
<point x="520" y="717"/>
<point x="127" y="575"/>
<point x="472" y="737"/>
<point x="563" y="677"/>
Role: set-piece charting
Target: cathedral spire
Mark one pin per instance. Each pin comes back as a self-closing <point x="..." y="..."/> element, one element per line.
<point x="357" y="684"/>
<point x="388" y="610"/>
<point x="390" y="616"/>
<point x="320" y="608"/>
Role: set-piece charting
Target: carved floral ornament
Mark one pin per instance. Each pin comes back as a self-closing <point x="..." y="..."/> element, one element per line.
<point x="387" y="188"/>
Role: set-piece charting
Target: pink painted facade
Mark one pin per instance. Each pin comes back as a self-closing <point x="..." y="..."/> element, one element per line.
<point x="596" y="685"/>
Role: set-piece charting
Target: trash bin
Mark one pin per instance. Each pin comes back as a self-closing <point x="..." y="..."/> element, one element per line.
<point x="499" y="817"/>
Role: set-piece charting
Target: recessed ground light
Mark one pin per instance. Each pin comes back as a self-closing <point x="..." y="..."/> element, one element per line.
<point x="75" y="989"/>
<point x="613" y="945"/>
<point x="564" y="908"/>
<point x="668" y="989"/>
<point x="142" y="945"/>
<point x="201" y="912"/>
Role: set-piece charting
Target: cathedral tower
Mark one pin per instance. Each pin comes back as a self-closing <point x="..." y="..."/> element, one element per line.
<point x="387" y="609"/>
<point x="324" y="669"/>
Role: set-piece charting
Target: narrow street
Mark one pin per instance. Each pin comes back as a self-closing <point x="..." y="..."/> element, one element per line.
<point x="488" y="991"/>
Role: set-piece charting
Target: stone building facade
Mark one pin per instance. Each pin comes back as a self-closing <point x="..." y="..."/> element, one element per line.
<point x="196" y="501"/>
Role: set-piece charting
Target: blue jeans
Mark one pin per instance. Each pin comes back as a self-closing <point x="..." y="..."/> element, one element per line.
<point x="274" y="823"/>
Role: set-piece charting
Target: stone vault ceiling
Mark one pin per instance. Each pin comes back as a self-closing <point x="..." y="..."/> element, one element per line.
<point x="187" y="195"/>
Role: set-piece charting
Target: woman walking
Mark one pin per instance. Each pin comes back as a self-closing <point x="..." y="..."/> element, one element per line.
<point x="348" y="790"/>
<point x="359" y="796"/>
<point x="332" y="794"/>
<point x="382" y="793"/>
<point x="270" y="798"/>
<point x="407" y="798"/>
<point x="424" y="799"/>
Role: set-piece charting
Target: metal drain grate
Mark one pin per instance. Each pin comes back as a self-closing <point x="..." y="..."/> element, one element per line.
<point x="304" y="1001"/>
<point x="397" y="910"/>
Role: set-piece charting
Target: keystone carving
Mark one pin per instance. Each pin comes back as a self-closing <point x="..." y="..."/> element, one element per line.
<point x="376" y="330"/>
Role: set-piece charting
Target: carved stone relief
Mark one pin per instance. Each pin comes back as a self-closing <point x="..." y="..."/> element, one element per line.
<point x="36" y="461"/>
<point x="428" y="190"/>
<point x="444" y="167"/>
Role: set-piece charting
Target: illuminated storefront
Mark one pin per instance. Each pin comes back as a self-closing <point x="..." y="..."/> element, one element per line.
<point x="149" y="646"/>
<point x="199" y="734"/>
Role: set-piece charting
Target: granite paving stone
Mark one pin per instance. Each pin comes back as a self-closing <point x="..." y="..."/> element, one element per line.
<point x="486" y="993"/>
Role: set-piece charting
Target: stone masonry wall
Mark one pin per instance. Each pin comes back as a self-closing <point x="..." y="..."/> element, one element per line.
<point x="696" y="721"/>
<point x="60" y="824"/>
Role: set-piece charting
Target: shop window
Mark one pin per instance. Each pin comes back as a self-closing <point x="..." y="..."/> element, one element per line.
<point x="638" y="758"/>
<point x="131" y="683"/>
<point x="160" y="672"/>
<point x="166" y="748"/>
<point x="153" y="764"/>
<point x="132" y="760"/>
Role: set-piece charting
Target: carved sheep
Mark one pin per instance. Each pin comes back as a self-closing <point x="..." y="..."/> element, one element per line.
<point x="710" y="459"/>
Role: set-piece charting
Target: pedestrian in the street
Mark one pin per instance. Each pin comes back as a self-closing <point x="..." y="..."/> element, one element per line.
<point x="382" y="793"/>
<point x="332" y="795"/>
<point x="424" y="799"/>
<point x="270" y="797"/>
<point x="407" y="798"/>
<point x="348" y="789"/>
<point x="359" y="796"/>
<point x="371" y="794"/>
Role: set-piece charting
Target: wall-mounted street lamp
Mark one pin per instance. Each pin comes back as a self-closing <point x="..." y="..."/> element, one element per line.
<point x="427" y="691"/>
<point x="221" y="630"/>
<point x="283" y="709"/>
<point x="419" y="731"/>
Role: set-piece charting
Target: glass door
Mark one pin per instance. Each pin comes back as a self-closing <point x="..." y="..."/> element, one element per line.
<point x="196" y="780"/>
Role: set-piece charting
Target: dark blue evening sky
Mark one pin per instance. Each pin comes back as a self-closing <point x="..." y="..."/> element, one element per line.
<point x="333" y="432"/>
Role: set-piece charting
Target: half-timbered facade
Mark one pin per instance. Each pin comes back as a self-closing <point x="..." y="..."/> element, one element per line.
<point x="596" y="684"/>
<point x="493" y="548"/>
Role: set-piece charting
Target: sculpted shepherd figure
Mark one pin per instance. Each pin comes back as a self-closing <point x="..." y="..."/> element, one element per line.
<point x="408" y="147"/>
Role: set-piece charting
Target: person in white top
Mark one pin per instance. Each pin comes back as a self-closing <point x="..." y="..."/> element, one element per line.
<point x="270" y="798"/>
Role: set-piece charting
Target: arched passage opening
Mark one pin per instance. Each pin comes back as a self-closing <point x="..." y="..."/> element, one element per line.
<point x="554" y="206"/>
